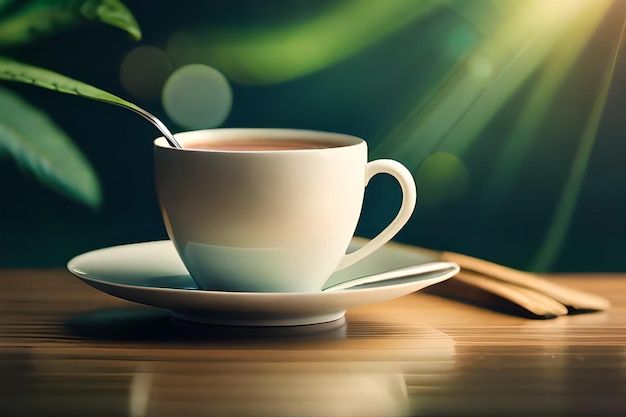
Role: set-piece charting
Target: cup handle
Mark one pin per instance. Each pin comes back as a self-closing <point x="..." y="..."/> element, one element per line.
<point x="409" y="198"/>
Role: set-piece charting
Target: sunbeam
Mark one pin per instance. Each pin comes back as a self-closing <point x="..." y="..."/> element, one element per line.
<point x="565" y="209"/>
<point x="462" y="105"/>
<point x="531" y="51"/>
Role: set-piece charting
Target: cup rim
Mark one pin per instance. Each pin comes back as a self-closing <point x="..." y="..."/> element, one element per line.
<point x="339" y="140"/>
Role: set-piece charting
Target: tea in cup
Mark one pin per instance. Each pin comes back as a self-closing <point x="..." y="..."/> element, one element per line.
<point x="269" y="210"/>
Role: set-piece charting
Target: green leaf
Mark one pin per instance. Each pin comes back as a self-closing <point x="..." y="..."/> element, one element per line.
<point x="39" y="146"/>
<point x="112" y="12"/>
<point x="39" y="18"/>
<point x="11" y="70"/>
<point x="17" y="71"/>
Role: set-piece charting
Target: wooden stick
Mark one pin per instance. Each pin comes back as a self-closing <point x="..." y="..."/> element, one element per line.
<point x="573" y="299"/>
<point x="533" y="301"/>
<point x="499" y="296"/>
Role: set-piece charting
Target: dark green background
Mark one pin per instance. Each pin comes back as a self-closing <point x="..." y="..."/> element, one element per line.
<point x="365" y="95"/>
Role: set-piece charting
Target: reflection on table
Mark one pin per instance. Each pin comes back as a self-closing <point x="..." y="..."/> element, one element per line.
<point x="66" y="349"/>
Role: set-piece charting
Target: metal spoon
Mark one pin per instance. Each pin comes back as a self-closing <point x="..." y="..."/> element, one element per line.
<point x="406" y="274"/>
<point x="152" y="119"/>
<point x="19" y="72"/>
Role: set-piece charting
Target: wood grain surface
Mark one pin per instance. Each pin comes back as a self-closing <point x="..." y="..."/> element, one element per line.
<point x="69" y="350"/>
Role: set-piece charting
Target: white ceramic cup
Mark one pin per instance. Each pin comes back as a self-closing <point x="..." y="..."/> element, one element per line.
<point x="272" y="220"/>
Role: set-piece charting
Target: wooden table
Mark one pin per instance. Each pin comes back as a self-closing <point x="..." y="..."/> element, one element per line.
<point x="69" y="350"/>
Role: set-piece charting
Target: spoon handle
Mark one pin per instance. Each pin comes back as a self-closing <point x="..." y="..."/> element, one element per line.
<point x="17" y="71"/>
<point x="155" y="121"/>
<point x="406" y="272"/>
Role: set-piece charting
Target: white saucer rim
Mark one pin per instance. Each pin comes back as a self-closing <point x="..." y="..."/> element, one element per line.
<point x="213" y="293"/>
<point x="440" y="278"/>
<point x="239" y="308"/>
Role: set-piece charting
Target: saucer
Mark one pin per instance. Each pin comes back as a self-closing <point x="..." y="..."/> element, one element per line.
<point x="151" y="273"/>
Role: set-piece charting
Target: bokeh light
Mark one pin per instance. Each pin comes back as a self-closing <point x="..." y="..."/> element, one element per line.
<point x="144" y="71"/>
<point x="442" y="178"/>
<point x="480" y="66"/>
<point x="526" y="93"/>
<point x="197" y="96"/>
<point x="183" y="48"/>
